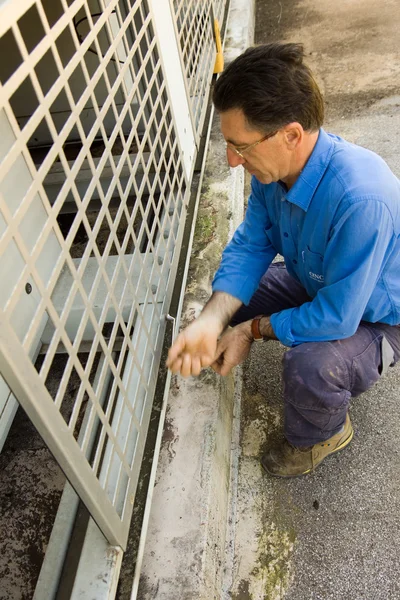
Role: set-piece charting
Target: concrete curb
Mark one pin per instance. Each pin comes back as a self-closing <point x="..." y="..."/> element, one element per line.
<point x="185" y="551"/>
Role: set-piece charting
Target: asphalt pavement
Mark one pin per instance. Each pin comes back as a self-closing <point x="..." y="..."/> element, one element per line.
<point x="333" y="534"/>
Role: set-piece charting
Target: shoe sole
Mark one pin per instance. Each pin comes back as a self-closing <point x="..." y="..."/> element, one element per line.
<point x="342" y="446"/>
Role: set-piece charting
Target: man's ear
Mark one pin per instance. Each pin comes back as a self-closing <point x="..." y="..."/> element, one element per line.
<point x="294" y="134"/>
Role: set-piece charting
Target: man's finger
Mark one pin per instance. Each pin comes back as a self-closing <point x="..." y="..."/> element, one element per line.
<point x="206" y="360"/>
<point x="219" y="354"/>
<point x="225" y="369"/>
<point x="216" y="366"/>
<point x="175" y="366"/>
<point x="186" y="368"/>
<point x="196" y="366"/>
<point x="176" y="349"/>
<point x="221" y="367"/>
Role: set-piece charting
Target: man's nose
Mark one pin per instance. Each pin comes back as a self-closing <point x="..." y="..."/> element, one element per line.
<point x="234" y="160"/>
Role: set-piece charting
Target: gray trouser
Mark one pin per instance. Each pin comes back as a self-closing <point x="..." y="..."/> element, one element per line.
<point x="319" y="378"/>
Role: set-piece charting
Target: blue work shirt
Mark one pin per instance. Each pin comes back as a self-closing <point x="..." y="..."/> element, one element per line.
<point x="338" y="230"/>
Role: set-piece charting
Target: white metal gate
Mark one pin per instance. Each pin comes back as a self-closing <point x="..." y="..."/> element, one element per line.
<point x="97" y="147"/>
<point x="194" y="28"/>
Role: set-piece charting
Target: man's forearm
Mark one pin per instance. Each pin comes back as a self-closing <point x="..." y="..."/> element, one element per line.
<point x="266" y="329"/>
<point x="221" y="307"/>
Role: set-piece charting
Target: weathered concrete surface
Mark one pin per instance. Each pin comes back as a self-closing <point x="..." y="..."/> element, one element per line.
<point x="186" y="538"/>
<point x="331" y="535"/>
<point x="185" y="548"/>
<point x="240" y="32"/>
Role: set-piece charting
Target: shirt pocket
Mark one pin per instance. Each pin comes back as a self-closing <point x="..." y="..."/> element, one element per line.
<point x="313" y="267"/>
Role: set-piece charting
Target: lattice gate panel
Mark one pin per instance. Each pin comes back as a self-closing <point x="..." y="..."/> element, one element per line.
<point x="92" y="207"/>
<point x="194" y="26"/>
<point x="219" y="9"/>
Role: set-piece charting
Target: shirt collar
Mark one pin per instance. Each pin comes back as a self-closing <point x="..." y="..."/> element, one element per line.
<point x="304" y="189"/>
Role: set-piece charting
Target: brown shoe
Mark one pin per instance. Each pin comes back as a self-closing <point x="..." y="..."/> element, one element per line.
<point x="285" y="460"/>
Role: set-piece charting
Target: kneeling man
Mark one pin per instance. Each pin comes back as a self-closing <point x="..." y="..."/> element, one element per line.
<point x="332" y="210"/>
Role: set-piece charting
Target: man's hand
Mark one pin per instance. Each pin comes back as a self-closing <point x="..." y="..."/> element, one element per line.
<point x="195" y="347"/>
<point x="233" y="348"/>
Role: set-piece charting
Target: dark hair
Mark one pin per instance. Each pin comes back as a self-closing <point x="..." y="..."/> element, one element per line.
<point x="273" y="87"/>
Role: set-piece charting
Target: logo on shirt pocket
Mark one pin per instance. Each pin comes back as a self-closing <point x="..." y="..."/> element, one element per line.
<point x="316" y="277"/>
<point x="313" y="265"/>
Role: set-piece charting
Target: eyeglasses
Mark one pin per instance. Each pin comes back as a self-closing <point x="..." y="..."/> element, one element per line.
<point x="239" y="150"/>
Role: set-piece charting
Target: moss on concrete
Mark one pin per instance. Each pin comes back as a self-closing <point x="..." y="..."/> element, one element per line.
<point x="270" y="577"/>
<point x="275" y="547"/>
<point x="210" y="238"/>
<point x="266" y="541"/>
<point x="212" y="222"/>
<point x="205" y="227"/>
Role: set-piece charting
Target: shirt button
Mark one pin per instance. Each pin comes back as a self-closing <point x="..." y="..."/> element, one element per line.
<point x="295" y="261"/>
<point x="286" y="234"/>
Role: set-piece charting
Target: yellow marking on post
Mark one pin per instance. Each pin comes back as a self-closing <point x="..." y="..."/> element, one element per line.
<point x="219" y="59"/>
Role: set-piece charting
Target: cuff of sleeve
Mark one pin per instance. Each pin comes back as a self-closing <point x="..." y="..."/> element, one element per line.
<point x="281" y="324"/>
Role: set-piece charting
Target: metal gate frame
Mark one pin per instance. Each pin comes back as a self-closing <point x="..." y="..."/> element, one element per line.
<point x="38" y="269"/>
